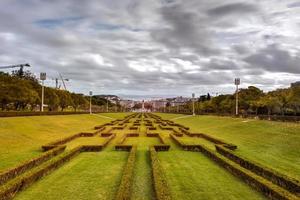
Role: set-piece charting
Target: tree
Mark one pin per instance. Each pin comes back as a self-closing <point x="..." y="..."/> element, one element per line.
<point x="269" y="101"/>
<point x="51" y="99"/>
<point x="247" y="96"/>
<point x="294" y="99"/>
<point x="65" y="99"/>
<point x="78" y="101"/>
<point x="208" y="97"/>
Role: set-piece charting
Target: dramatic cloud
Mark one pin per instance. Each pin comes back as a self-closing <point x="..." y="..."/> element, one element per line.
<point x="154" y="48"/>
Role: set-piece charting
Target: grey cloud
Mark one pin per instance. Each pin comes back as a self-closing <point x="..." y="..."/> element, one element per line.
<point x="274" y="59"/>
<point x="233" y="8"/>
<point x="208" y="35"/>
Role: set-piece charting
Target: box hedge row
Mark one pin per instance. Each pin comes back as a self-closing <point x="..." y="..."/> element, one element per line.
<point x="210" y="138"/>
<point x="27" y="165"/>
<point x="266" y="187"/>
<point x="161" y="187"/>
<point x="124" y="190"/>
<point x="288" y="183"/>
<point x="9" y="190"/>
<point x="161" y="147"/>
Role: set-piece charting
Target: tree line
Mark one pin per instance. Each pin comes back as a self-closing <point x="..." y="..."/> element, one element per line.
<point x="24" y="93"/>
<point x="252" y="100"/>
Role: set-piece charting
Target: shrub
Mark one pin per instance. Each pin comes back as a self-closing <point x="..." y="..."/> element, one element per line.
<point x="288" y="183"/>
<point x="266" y="187"/>
<point x="160" y="182"/>
<point x="9" y="190"/>
<point x="124" y="191"/>
<point x="27" y="165"/>
<point x="161" y="147"/>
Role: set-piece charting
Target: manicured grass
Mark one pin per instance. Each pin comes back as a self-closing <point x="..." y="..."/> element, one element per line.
<point x="88" y="176"/>
<point x="142" y="142"/>
<point x="96" y="140"/>
<point x="273" y="144"/>
<point x="196" y="140"/>
<point x="191" y="175"/>
<point x="22" y="137"/>
<point x="142" y="182"/>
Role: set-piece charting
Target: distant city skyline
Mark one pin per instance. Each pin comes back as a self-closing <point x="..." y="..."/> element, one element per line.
<point x="144" y="49"/>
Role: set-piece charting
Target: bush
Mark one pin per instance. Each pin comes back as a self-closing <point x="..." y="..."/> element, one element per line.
<point x="16" y="171"/>
<point x="266" y="187"/>
<point x="124" y="191"/>
<point x="9" y="190"/>
<point x="161" y="147"/>
<point x="288" y="183"/>
<point x="160" y="182"/>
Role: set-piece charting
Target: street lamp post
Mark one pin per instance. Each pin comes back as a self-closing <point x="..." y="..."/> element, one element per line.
<point x="237" y="82"/>
<point x="193" y="96"/>
<point x="106" y="104"/>
<point x="42" y="78"/>
<point x="91" y="94"/>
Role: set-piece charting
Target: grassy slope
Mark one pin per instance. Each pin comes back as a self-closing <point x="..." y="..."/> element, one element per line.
<point x="89" y="176"/>
<point x="274" y="144"/>
<point x="191" y="175"/>
<point x="21" y="137"/>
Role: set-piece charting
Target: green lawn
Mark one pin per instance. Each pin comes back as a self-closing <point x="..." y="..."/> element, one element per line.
<point x="191" y="175"/>
<point x="89" y="176"/>
<point x="96" y="140"/>
<point x="273" y="144"/>
<point x="22" y="137"/>
<point x="142" y="182"/>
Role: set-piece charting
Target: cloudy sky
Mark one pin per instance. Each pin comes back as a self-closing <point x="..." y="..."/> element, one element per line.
<point x="155" y="48"/>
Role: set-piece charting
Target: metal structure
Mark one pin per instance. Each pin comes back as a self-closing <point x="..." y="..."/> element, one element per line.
<point x="91" y="94"/>
<point x="60" y="78"/>
<point x="193" y="101"/>
<point x="237" y="82"/>
<point x="42" y="78"/>
<point x="21" y="66"/>
<point x="106" y="104"/>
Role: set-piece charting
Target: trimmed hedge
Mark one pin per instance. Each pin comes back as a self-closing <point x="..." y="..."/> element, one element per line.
<point x="161" y="147"/>
<point x="9" y="190"/>
<point x="62" y="141"/>
<point x="123" y="147"/>
<point x="152" y="134"/>
<point x="27" y="165"/>
<point x="210" y="138"/>
<point x="165" y="127"/>
<point x="132" y="135"/>
<point x="133" y="128"/>
<point x="91" y="148"/>
<point x="110" y="138"/>
<point x="161" y="187"/>
<point x="21" y="114"/>
<point x="124" y="191"/>
<point x="87" y="134"/>
<point x="287" y="183"/>
<point x="266" y="187"/>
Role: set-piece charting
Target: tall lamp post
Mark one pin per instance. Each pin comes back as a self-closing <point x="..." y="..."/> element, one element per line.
<point x="237" y="82"/>
<point x="42" y="78"/>
<point x="193" y="97"/>
<point x="106" y="104"/>
<point x="91" y="94"/>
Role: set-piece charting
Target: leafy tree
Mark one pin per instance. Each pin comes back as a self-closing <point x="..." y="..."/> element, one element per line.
<point x="51" y="99"/>
<point x="65" y="99"/>
<point x="78" y="101"/>
<point x="248" y="96"/>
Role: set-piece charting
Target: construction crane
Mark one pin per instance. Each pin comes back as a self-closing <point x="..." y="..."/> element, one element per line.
<point x="21" y="66"/>
<point x="62" y="80"/>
